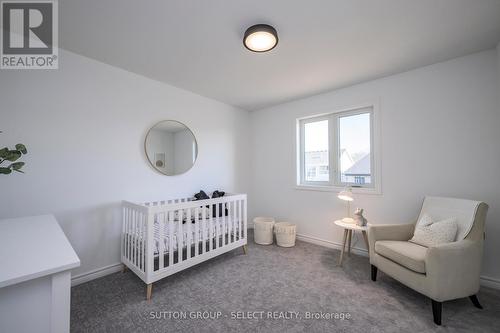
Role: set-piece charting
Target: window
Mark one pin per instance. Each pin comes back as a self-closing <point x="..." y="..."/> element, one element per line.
<point x="337" y="149"/>
<point x="316" y="151"/>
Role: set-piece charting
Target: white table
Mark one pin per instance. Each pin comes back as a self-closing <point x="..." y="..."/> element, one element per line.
<point x="349" y="228"/>
<point x="35" y="277"/>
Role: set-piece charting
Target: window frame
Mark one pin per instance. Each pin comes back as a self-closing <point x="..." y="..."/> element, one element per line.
<point x="334" y="183"/>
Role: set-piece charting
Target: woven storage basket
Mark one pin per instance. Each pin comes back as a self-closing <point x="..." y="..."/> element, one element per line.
<point x="263" y="230"/>
<point x="285" y="234"/>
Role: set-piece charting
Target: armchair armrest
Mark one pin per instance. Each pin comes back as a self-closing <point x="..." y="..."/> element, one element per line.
<point x="454" y="268"/>
<point x="400" y="232"/>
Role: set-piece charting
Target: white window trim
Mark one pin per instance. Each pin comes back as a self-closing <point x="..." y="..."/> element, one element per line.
<point x="333" y="185"/>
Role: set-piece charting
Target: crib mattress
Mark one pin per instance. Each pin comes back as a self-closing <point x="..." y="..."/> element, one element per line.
<point x="222" y="224"/>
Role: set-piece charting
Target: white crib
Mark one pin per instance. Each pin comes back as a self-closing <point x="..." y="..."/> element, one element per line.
<point x="164" y="237"/>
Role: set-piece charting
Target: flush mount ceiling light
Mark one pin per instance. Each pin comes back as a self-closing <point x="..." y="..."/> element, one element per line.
<point x="260" y="38"/>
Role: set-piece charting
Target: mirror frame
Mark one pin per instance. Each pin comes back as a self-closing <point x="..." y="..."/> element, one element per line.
<point x="151" y="163"/>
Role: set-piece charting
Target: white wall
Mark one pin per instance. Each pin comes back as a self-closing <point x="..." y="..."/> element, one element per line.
<point x="440" y="132"/>
<point x="84" y="126"/>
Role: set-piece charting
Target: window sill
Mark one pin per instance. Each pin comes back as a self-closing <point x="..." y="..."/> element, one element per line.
<point x="324" y="188"/>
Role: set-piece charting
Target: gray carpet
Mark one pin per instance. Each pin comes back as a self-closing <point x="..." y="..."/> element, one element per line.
<point x="272" y="279"/>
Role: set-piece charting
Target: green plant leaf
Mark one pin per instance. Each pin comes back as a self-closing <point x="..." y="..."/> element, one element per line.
<point x="13" y="155"/>
<point x="21" y="148"/>
<point x="5" y="171"/>
<point x="4" y="152"/>
<point x="16" y="166"/>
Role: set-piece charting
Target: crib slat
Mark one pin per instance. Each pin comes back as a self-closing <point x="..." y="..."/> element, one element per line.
<point x="189" y="235"/>
<point x="149" y="244"/>
<point x="136" y="243"/>
<point x="131" y="235"/>
<point x="144" y="244"/>
<point x="122" y="236"/>
<point x="217" y="226"/>
<point x="224" y="225"/>
<point x="134" y="237"/>
<point x="234" y="221"/>
<point x="125" y="234"/>
<point x="196" y="231"/>
<point x="204" y="236"/>
<point x="125" y="231"/>
<point x="211" y="230"/>
<point x="179" y="236"/>
<point x="139" y="239"/>
<point x="144" y="248"/>
<point x="245" y="221"/>
<point x="239" y="219"/>
<point x="171" y="237"/>
<point x="142" y="234"/>
<point x="161" y="239"/>
<point x="233" y="212"/>
<point x="228" y="219"/>
<point x="231" y="221"/>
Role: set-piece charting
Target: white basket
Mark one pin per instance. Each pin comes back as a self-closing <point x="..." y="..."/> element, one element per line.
<point x="263" y="230"/>
<point x="285" y="234"/>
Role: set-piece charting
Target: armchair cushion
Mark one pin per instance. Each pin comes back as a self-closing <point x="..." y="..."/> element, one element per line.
<point x="431" y="233"/>
<point x="409" y="255"/>
<point x="442" y="208"/>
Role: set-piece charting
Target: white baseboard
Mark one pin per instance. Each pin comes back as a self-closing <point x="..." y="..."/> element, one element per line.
<point x="486" y="281"/>
<point x="95" y="274"/>
<point x="330" y="244"/>
<point x="490" y="282"/>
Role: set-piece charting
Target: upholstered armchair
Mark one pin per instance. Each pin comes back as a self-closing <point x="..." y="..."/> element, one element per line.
<point x="443" y="272"/>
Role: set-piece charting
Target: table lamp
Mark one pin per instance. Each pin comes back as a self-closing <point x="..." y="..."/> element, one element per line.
<point x="346" y="195"/>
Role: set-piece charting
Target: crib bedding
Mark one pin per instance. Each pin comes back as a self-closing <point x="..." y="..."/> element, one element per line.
<point x="224" y="224"/>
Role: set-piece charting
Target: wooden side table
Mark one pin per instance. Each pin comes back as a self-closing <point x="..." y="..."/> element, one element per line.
<point x="349" y="228"/>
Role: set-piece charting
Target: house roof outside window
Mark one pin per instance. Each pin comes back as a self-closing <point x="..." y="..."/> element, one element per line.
<point x="360" y="168"/>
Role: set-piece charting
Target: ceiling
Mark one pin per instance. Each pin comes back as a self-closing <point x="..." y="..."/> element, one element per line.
<point x="323" y="44"/>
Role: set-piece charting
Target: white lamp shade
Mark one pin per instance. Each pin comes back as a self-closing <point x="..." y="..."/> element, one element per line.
<point x="345" y="195"/>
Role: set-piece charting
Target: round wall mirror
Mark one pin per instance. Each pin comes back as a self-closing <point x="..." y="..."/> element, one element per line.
<point x="171" y="147"/>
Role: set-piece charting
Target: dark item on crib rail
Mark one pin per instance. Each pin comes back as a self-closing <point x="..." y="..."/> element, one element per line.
<point x="202" y="195"/>
<point x="218" y="194"/>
